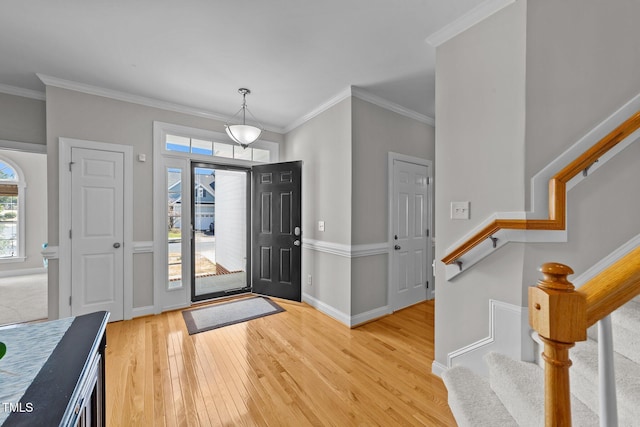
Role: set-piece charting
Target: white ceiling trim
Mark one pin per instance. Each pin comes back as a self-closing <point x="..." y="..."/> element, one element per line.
<point x="25" y="93"/>
<point x="365" y="96"/>
<point x="135" y="99"/>
<point x="156" y="103"/>
<point x="466" y="21"/>
<point x="28" y="147"/>
<point x="341" y="96"/>
<point x="391" y="106"/>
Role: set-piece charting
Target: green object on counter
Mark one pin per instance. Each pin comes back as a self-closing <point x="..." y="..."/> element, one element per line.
<point x="3" y="350"/>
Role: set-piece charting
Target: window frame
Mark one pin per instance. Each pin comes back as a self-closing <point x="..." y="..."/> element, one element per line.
<point x="180" y="297"/>
<point x="20" y="226"/>
<point x="164" y="129"/>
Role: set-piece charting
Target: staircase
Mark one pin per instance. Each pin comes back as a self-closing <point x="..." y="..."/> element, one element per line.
<point x="513" y="395"/>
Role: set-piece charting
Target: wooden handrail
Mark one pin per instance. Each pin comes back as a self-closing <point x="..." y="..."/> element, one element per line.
<point x="613" y="287"/>
<point x="561" y="315"/>
<point x="557" y="192"/>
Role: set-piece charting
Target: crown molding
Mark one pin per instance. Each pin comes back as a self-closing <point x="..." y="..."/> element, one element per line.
<point x="391" y="106"/>
<point x="136" y="99"/>
<point x="362" y="94"/>
<point x="341" y="96"/>
<point x="25" y="93"/>
<point x="169" y="106"/>
<point x="466" y="21"/>
<point x="27" y="147"/>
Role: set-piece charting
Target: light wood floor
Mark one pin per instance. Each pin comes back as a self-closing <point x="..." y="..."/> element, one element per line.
<point x="295" y="368"/>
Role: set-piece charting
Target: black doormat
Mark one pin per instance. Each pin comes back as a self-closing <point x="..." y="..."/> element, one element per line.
<point x="228" y="313"/>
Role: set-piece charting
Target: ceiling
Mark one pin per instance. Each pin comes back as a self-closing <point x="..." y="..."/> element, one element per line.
<point x="294" y="55"/>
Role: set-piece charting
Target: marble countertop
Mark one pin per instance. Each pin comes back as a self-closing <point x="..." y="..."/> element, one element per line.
<point x="28" y="348"/>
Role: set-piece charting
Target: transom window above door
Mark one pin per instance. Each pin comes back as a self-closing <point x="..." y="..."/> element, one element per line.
<point x="206" y="147"/>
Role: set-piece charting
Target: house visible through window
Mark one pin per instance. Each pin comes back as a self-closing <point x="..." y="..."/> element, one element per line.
<point x="9" y="211"/>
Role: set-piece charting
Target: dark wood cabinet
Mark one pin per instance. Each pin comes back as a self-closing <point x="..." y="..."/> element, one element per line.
<point x="65" y="387"/>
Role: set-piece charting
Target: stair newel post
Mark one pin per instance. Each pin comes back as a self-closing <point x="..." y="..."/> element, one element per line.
<point x="558" y="313"/>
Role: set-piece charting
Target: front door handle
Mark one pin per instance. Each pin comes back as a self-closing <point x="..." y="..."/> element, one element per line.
<point x="116" y="245"/>
<point x="397" y="247"/>
<point x="296" y="242"/>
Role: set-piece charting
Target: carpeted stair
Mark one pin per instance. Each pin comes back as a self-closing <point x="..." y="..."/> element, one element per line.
<point x="513" y="395"/>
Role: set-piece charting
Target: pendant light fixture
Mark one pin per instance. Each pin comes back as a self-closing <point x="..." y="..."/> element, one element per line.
<point x="244" y="134"/>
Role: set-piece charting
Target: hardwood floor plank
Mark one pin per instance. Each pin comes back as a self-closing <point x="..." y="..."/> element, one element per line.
<point x="295" y="368"/>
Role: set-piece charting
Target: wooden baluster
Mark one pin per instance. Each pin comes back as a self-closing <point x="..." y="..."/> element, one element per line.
<point x="558" y="313"/>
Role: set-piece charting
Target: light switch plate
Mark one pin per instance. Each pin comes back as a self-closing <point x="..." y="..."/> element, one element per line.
<point x="459" y="210"/>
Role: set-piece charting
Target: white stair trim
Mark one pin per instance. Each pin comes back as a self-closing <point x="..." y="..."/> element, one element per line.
<point x="508" y="334"/>
<point x="606" y="262"/>
<point x="540" y="193"/>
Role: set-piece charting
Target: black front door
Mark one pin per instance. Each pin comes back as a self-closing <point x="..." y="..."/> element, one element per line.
<point x="277" y="229"/>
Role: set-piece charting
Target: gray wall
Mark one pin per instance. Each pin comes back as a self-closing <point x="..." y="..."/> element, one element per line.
<point x="77" y="115"/>
<point x="22" y="119"/>
<point x="376" y="132"/>
<point x="324" y="145"/>
<point x="327" y="144"/>
<point x="480" y="112"/>
<point x="583" y="58"/>
<point x="577" y="75"/>
<point x="561" y="80"/>
<point x="345" y="151"/>
<point x="601" y="217"/>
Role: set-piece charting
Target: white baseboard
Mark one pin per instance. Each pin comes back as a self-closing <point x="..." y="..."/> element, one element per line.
<point x="438" y="368"/>
<point x="23" y="272"/>
<point x="142" y="311"/>
<point x="350" y="321"/>
<point x="508" y="334"/>
<point x="180" y="306"/>
<point x="327" y="309"/>
<point x="369" y="315"/>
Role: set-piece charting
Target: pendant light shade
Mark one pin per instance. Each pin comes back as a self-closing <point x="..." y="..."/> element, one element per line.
<point x="243" y="133"/>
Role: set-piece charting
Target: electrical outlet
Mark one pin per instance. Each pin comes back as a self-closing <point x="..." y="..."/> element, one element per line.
<point x="320" y="225"/>
<point x="309" y="281"/>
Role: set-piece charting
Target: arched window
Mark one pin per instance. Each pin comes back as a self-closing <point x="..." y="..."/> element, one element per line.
<point x="11" y="212"/>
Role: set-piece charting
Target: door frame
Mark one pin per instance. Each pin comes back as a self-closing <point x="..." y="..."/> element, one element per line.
<point x="164" y="299"/>
<point x="247" y="169"/>
<point x="392" y="157"/>
<point x="64" y="222"/>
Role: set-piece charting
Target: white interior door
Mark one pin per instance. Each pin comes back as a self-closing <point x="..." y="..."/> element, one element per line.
<point x="410" y="223"/>
<point x="97" y="232"/>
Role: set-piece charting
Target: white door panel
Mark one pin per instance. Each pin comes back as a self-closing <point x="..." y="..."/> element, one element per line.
<point x="97" y="232"/>
<point x="410" y="222"/>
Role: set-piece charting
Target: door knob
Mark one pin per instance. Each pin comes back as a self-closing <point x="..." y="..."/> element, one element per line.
<point x="116" y="245"/>
<point x="397" y="247"/>
<point x="296" y="242"/>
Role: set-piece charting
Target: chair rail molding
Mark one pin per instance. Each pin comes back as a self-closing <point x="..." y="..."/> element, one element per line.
<point x="344" y="250"/>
